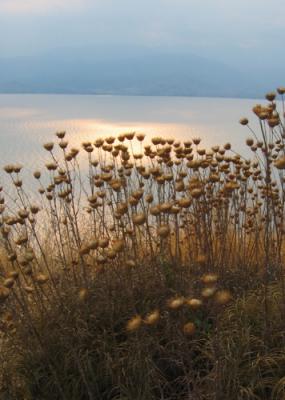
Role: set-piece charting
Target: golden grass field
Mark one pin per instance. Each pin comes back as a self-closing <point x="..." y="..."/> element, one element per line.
<point x="156" y="272"/>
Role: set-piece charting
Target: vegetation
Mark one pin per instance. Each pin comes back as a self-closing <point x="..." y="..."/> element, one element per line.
<point x="147" y="271"/>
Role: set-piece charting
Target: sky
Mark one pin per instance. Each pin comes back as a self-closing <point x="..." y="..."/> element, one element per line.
<point x="227" y="30"/>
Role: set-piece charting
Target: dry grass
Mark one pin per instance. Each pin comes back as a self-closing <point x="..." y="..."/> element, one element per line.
<point x="146" y="271"/>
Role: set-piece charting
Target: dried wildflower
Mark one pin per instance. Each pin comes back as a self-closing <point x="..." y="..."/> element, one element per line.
<point x="17" y="168"/>
<point x="280" y="163"/>
<point x="63" y="144"/>
<point x="130" y="135"/>
<point x="222" y="297"/>
<point x="281" y="90"/>
<point x="156" y="141"/>
<point x="139" y="219"/>
<point x="149" y="198"/>
<point x="196" y="193"/>
<point x="34" y="209"/>
<point x="249" y="142"/>
<point x="209" y="279"/>
<point x="194" y="303"/>
<point x="103" y="243"/>
<point x="83" y="295"/>
<point x="176" y="303"/>
<point x="243" y="121"/>
<point x="23" y="213"/>
<point x="270" y="96"/>
<point x="9" y="168"/>
<point x="37" y="174"/>
<point x="140" y="136"/>
<point x="189" y="329"/>
<point x="163" y="231"/>
<point x="134" y="323"/>
<point x="208" y="292"/>
<point x="51" y="166"/>
<point x="272" y="122"/>
<point x="60" y="135"/>
<point x="48" y="146"/>
<point x="196" y="141"/>
<point x="152" y="318"/>
<point x="18" y="183"/>
<point x="118" y="246"/>
<point x="93" y="244"/>
<point x="184" y="202"/>
<point x="84" y="250"/>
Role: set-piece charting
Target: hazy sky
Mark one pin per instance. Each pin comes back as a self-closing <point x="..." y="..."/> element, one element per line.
<point x="224" y="29"/>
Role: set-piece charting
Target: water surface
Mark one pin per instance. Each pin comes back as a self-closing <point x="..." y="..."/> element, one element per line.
<point x="28" y="121"/>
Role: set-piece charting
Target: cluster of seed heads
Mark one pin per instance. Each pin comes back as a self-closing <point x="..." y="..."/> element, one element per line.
<point x="119" y="203"/>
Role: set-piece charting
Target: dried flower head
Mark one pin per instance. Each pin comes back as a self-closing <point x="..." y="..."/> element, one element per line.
<point x="134" y="323"/>
<point x="189" y="329"/>
<point x="223" y="297"/>
<point x="195" y="303"/>
<point x="176" y="303"/>
<point x="209" y="279"/>
<point x="152" y="318"/>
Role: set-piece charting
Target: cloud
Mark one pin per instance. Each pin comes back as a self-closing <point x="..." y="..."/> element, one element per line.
<point x="38" y="6"/>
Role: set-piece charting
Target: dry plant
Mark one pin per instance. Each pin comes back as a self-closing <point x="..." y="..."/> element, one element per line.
<point x="115" y="280"/>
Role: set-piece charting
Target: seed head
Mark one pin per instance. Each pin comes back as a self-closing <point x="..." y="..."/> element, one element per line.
<point x="176" y="303"/>
<point x="270" y="96"/>
<point x="243" y="121"/>
<point x="84" y="250"/>
<point x="63" y="144"/>
<point x="118" y="246"/>
<point x="51" y="166"/>
<point x="196" y="141"/>
<point x="103" y="243"/>
<point x="195" y="303"/>
<point x="83" y="295"/>
<point x="280" y="163"/>
<point x="48" y="146"/>
<point x="189" y="329"/>
<point x="163" y="231"/>
<point x="139" y="219"/>
<point x="208" y="292"/>
<point x="249" y="142"/>
<point x="60" y="135"/>
<point x="37" y="174"/>
<point x="17" y="168"/>
<point x="134" y="323"/>
<point x="222" y="297"/>
<point x="140" y="136"/>
<point x="130" y="135"/>
<point x="9" y="168"/>
<point x="152" y="318"/>
<point x="209" y="279"/>
<point x="281" y="90"/>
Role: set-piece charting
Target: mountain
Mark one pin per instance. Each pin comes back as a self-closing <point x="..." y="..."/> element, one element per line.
<point x="125" y="72"/>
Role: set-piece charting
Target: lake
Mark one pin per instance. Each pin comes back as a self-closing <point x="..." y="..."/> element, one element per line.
<point x="28" y="121"/>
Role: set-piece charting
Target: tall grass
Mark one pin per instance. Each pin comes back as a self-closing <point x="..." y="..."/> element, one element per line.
<point x="146" y="270"/>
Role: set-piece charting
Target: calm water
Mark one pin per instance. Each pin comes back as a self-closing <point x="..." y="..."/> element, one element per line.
<point x="28" y="121"/>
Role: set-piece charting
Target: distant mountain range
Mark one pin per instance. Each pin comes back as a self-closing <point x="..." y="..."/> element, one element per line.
<point x="136" y="72"/>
